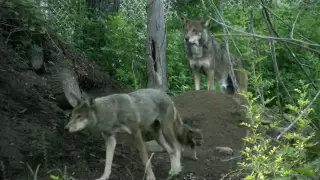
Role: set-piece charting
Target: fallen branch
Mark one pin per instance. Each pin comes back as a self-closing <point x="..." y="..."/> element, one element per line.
<point x="299" y="117"/>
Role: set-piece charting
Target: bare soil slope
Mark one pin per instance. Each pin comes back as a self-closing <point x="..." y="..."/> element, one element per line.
<point x="216" y="114"/>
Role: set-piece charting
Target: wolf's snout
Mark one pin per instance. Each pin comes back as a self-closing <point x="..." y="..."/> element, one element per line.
<point x="187" y="39"/>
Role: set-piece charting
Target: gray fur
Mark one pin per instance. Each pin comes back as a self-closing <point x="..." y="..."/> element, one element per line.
<point x="207" y="56"/>
<point x="146" y="114"/>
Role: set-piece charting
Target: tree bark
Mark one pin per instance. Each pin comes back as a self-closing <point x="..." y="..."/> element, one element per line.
<point x="156" y="46"/>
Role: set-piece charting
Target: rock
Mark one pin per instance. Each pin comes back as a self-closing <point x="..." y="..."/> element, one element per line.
<point x="225" y="150"/>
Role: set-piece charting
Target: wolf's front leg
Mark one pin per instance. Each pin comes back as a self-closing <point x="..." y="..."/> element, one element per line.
<point x="143" y="154"/>
<point x="210" y="79"/>
<point x="196" y="78"/>
<point x="110" y="147"/>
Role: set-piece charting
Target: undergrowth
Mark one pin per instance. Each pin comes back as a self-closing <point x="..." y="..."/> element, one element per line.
<point x="290" y="157"/>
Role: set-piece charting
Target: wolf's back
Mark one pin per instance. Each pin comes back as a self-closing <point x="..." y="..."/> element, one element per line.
<point x="156" y="95"/>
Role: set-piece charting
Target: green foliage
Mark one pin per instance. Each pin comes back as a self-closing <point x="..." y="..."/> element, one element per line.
<point x="126" y="50"/>
<point x="286" y="158"/>
<point x="58" y="174"/>
<point x="179" y="74"/>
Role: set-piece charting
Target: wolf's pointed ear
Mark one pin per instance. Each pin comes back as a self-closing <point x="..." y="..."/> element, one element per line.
<point x="183" y="20"/>
<point x="90" y="101"/>
<point x="206" y="22"/>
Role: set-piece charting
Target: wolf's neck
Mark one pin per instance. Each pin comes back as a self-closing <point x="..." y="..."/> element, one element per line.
<point x="205" y="39"/>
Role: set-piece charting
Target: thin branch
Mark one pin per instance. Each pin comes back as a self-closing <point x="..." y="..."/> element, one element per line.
<point x="299" y="117"/>
<point x="280" y="19"/>
<point x="233" y="77"/>
<point x="274" y="59"/>
<point x="293" y="25"/>
<point x="251" y="30"/>
<point x="288" y="48"/>
<point x="226" y="29"/>
<point x="245" y="34"/>
<point x="146" y="167"/>
<point x="275" y="66"/>
<point x="294" y="41"/>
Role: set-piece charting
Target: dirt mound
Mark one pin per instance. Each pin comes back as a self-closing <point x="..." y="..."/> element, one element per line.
<point x="216" y="114"/>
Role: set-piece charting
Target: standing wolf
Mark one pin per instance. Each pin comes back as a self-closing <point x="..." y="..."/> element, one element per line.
<point x="207" y="57"/>
<point x="140" y="113"/>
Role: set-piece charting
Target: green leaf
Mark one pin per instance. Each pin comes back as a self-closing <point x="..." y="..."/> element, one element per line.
<point x="304" y="171"/>
<point x="52" y="177"/>
<point x="32" y="28"/>
<point x="283" y="178"/>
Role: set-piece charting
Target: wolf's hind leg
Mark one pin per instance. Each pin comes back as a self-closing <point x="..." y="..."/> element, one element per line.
<point x="143" y="154"/>
<point x="110" y="146"/>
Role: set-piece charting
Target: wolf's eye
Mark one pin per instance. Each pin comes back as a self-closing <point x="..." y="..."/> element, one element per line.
<point x="78" y="116"/>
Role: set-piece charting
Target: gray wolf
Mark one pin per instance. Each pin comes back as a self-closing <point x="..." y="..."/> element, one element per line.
<point x="207" y="56"/>
<point x="145" y="114"/>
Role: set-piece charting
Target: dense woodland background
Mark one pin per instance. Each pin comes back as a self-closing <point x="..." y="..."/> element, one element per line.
<point x="278" y="41"/>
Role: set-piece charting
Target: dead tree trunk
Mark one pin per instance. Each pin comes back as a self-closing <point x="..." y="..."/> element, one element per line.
<point x="156" y="46"/>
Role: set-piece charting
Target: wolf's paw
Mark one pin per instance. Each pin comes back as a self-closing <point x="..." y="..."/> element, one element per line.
<point x="195" y="158"/>
<point x="175" y="171"/>
<point x="103" y="178"/>
<point x="151" y="177"/>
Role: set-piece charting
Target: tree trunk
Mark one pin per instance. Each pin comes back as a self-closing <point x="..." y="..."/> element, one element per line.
<point x="157" y="75"/>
